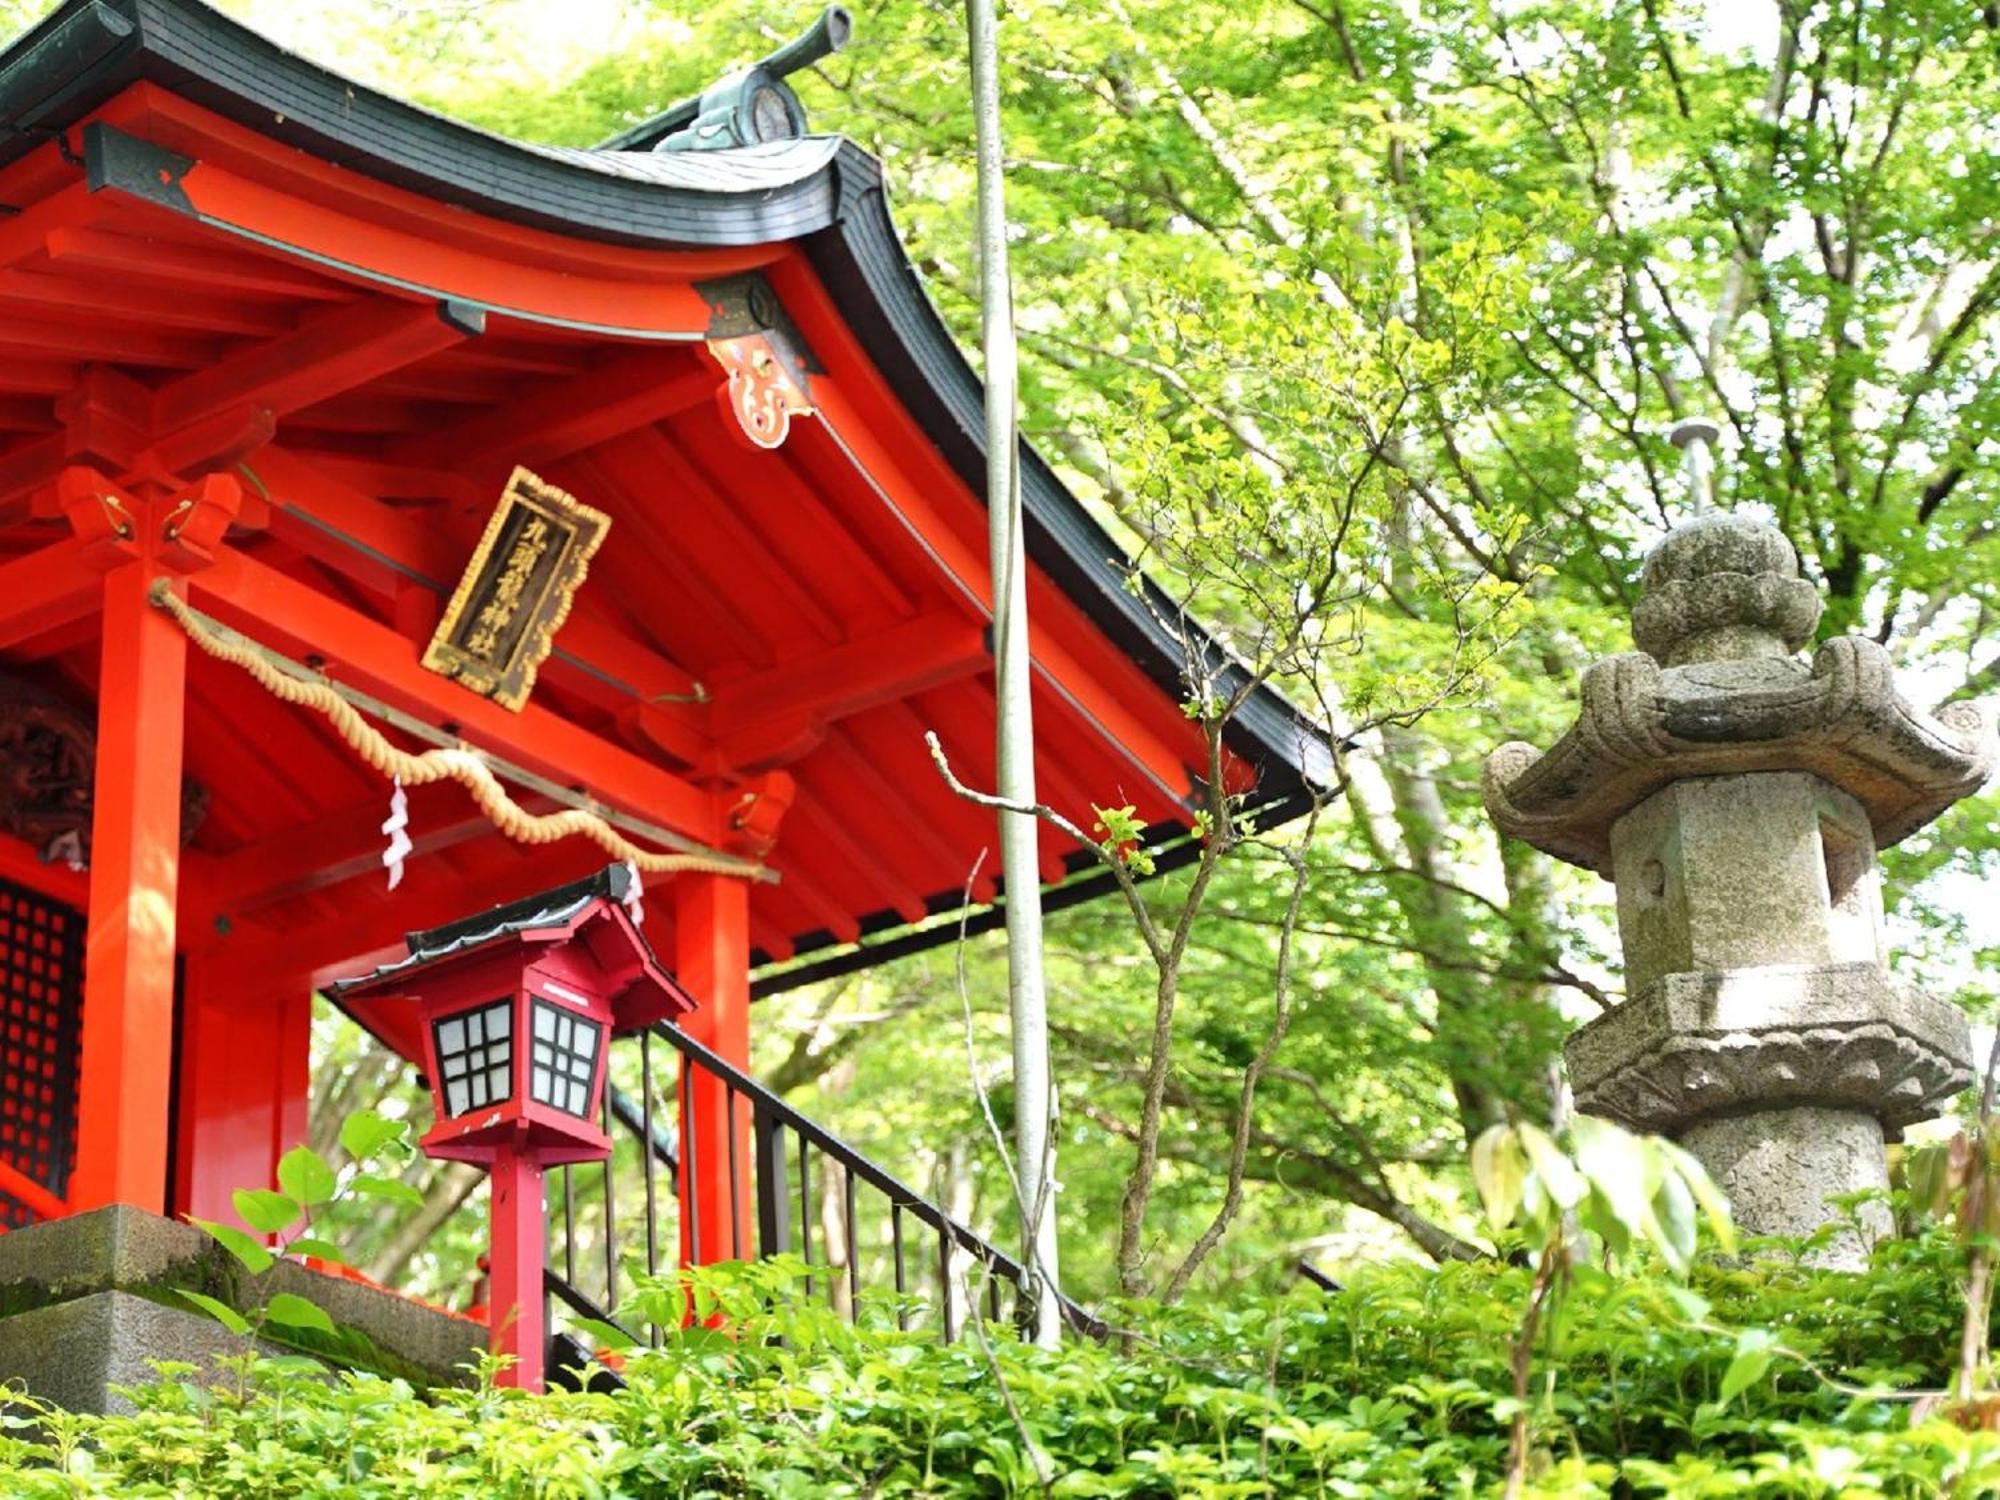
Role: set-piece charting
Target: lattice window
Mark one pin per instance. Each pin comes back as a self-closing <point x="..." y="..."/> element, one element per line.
<point x="565" y="1057"/>
<point x="41" y="1010"/>
<point x="475" y="1051"/>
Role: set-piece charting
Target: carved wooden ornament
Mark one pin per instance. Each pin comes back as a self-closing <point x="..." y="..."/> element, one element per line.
<point x="764" y="393"/>
<point x="516" y="592"/>
<point x="48" y="762"/>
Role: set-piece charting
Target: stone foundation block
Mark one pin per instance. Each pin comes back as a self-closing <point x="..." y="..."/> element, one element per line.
<point x="86" y="1301"/>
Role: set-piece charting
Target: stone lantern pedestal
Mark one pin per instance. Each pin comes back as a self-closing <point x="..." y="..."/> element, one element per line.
<point x="1737" y="798"/>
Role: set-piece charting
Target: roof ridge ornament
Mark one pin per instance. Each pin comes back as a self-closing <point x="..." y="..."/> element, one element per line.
<point x="751" y="107"/>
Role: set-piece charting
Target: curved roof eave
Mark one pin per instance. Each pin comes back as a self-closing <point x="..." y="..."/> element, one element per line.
<point x="824" y="192"/>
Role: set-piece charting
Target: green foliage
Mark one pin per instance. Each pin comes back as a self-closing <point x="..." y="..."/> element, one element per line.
<point x="1452" y="271"/>
<point x="1618" y="1189"/>
<point x="311" y="1183"/>
<point x="1397" y="1386"/>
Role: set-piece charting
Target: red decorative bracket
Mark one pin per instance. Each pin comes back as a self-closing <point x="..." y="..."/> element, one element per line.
<point x="755" y="815"/>
<point x="195" y="523"/>
<point x="102" y="516"/>
<point x="764" y="391"/>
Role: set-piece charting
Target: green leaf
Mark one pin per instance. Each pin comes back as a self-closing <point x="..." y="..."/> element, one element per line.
<point x="1673" y="1223"/>
<point x="389" y="1188"/>
<point x="1498" y="1170"/>
<point x="1692" y="1305"/>
<point x="364" y="1132"/>
<point x="265" y="1210"/>
<point x="1557" y="1175"/>
<point x="294" y="1311"/>
<point x="1618" y="1165"/>
<point x="303" y="1174"/>
<point x="607" y="1335"/>
<point x="1754" y="1348"/>
<point x="1714" y="1205"/>
<point x="255" y="1257"/>
<point x="290" y="1364"/>
<point x="306" y="1244"/>
<point x="222" y="1312"/>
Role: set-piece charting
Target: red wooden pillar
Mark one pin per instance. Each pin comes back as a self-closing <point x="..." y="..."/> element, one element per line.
<point x="135" y="839"/>
<point x="245" y="1086"/>
<point x="712" y="962"/>
<point x="514" y="1304"/>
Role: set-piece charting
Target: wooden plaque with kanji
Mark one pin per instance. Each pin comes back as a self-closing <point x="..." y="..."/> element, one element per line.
<point x="516" y="592"/>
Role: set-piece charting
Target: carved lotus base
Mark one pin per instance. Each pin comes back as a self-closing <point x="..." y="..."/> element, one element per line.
<point x="1697" y="1046"/>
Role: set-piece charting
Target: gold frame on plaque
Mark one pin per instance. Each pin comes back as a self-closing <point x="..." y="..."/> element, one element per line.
<point x="516" y="591"/>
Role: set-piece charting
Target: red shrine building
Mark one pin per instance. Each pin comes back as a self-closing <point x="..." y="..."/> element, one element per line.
<point x="646" y="481"/>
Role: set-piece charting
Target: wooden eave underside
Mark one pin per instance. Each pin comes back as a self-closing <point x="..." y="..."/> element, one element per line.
<point x="828" y="598"/>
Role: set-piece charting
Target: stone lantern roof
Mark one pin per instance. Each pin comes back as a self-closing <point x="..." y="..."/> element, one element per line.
<point x="1716" y="690"/>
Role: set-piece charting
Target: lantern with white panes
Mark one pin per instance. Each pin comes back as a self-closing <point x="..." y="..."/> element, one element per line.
<point x="515" y="1009"/>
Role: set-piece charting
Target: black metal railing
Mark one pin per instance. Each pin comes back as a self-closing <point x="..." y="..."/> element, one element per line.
<point x="879" y="1238"/>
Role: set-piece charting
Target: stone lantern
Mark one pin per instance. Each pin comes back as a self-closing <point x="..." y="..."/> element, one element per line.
<point x="1737" y="799"/>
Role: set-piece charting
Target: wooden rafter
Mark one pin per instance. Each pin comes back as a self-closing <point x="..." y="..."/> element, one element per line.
<point x="45" y="589"/>
<point x="550" y="423"/>
<point x="384" y="548"/>
<point x="335" y="352"/>
<point x="167" y="262"/>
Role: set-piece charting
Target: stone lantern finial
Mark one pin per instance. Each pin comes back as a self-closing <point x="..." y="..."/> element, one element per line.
<point x="1737" y="798"/>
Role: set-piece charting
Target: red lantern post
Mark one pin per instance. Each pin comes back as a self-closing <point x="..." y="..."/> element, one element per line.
<point x="516" y="1007"/>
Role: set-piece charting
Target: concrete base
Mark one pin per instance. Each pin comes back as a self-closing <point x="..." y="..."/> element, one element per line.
<point x="1780" y="1166"/>
<point x="86" y="1302"/>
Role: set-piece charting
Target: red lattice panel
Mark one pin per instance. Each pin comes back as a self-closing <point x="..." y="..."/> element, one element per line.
<point x="41" y="1009"/>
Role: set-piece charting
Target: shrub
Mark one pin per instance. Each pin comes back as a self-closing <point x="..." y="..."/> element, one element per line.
<point x="1397" y="1386"/>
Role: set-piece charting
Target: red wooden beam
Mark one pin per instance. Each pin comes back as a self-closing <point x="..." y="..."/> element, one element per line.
<point x="345" y="844"/>
<point x="128" y="1011"/>
<point x="175" y="263"/>
<point x="683" y="582"/>
<point x="820" y="850"/>
<point x="244" y="1057"/>
<point x="368" y="929"/>
<point x="1159" y="748"/>
<point x="27" y="233"/>
<point x="552" y="422"/>
<point x="47" y="589"/>
<point x="375" y="658"/>
<point x="712" y="960"/>
<point x="804" y="890"/>
<point x="647" y="466"/>
<point x="888" y="818"/>
<point x="968" y="742"/>
<point x="854" y="676"/>
<point x="267" y="190"/>
<point x="87" y="339"/>
<point x="38" y="377"/>
<point x="839" y="565"/>
<point x="56" y="296"/>
<point x="26" y="414"/>
<point x="338" y="350"/>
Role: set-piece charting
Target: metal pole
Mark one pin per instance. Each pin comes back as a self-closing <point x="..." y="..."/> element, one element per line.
<point x="1695" y="439"/>
<point x="1034" y="1116"/>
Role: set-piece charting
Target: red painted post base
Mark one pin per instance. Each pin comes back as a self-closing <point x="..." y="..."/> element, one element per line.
<point x="515" y="1300"/>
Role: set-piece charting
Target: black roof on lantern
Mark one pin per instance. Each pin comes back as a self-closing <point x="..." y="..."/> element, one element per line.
<point x="545" y="909"/>
<point x="823" y="192"/>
